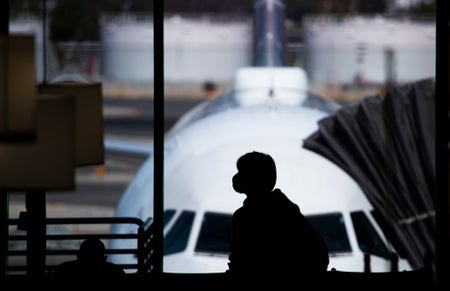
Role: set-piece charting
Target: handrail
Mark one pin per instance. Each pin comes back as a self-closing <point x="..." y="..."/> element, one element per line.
<point x="145" y="247"/>
<point x="85" y="220"/>
<point x="143" y="236"/>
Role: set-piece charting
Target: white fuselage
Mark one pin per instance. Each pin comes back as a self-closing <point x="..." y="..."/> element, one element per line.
<point x="199" y="162"/>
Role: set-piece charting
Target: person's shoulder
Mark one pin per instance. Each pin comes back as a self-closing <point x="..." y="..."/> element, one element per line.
<point x="284" y="199"/>
<point x="113" y="268"/>
<point x="278" y="194"/>
<point x="68" y="264"/>
<point x="67" y="267"/>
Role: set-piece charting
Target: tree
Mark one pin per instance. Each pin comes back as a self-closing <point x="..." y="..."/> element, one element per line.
<point x="74" y="20"/>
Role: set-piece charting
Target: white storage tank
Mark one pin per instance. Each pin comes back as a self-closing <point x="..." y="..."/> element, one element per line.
<point x="345" y="50"/>
<point x="198" y="48"/>
<point x="127" y="48"/>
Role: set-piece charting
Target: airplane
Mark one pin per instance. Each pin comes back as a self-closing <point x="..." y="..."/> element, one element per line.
<point x="269" y="109"/>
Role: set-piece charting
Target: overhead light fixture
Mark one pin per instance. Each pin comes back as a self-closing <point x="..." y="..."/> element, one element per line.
<point x="88" y="98"/>
<point x="17" y="87"/>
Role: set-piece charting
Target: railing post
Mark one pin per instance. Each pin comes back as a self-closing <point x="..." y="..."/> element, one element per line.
<point x="367" y="263"/>
<point x="36" y="231"/>
<point x="4" y="30"/>
<point x="158" y="144"/>
<point x="140" y="250"/>
<point x="394" y="262"/>
<point x="4" y="233"/>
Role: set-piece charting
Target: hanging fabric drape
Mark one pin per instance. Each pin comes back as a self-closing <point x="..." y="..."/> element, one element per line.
<point x="387" y="144"/>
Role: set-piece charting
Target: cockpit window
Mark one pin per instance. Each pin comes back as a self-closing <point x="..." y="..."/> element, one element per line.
<point x="389" y="233"/>
<point x="215" y="233"/>
<point x="177" y="238"/>
<point x="368" y="239"/>
<point x="332" y="228"/>
<point x="168" y="214"/>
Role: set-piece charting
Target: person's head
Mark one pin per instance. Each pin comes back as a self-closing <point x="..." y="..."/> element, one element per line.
<point x="256" y="173"/>
<point x="92" y="250"/>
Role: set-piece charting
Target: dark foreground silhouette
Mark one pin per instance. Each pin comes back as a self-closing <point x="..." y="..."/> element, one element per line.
<point x="270" y="236"/>
<point x="90" y="264"/>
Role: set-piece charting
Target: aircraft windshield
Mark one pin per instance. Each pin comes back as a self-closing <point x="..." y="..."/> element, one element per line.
<point x="177" y="238"/>
<point x="332" y="228"/>
<point x="215" y="232"/>
<point x="368" y="239"/>
<point x="168" y="214"/>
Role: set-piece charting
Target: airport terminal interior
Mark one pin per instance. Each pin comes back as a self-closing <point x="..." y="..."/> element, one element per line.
<point x="123" y="121"/>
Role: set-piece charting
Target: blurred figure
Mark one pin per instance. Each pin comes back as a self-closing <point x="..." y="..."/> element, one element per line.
<point x="211" y="90"/>
<point x="270" y="236"/>
<point x="90" y="263"/>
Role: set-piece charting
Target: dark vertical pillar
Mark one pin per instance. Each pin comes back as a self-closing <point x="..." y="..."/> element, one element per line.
<point x="44" y="40"/>
<point x="4" y="17"/>
<point x="158" y="143"/>
<point x="394" y="262"/>
<point x="4" y="30"/>
<point x="36" y="231"/>
<point x="442" y="190"/>
<point x="367" y="268"/>
<point x="4" y="233"/>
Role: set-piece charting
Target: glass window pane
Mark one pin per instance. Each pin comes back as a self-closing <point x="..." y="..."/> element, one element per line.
<point x="347" y="52"/>
<point x="168" y="214"/>
<point x="109" y="42"/>
<point x="389" y="233"/>
<point x="333" y="230"/>
<point x="369" y="240"/>
<point x="215" y="233"/>
<point x="177" y="238"/>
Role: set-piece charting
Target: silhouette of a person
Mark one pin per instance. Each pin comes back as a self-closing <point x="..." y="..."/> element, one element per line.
<point x="270" y="236"/>
<point x="90" y="263"/>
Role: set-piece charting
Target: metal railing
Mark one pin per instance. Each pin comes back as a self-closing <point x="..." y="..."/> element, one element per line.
<point x="16" y="257"/>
